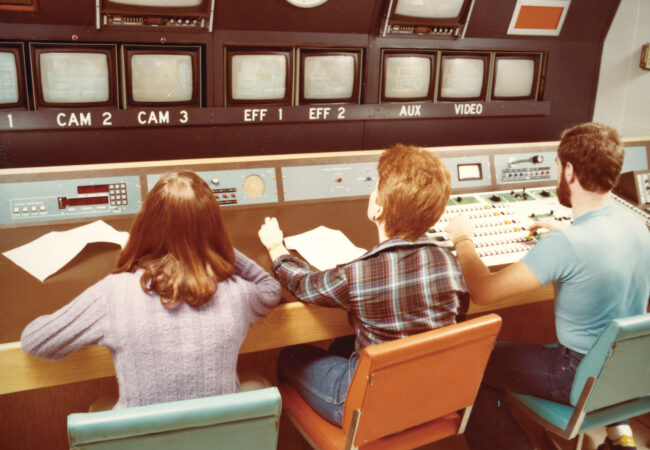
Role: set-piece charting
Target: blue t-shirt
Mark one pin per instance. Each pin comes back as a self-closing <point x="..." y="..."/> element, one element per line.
<point x="600" y="270"/>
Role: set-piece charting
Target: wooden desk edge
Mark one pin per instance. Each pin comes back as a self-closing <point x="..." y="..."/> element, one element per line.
<point x="288" y="324"/>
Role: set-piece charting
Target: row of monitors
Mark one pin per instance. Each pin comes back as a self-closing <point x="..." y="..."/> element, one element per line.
<point x="79" y="75"/>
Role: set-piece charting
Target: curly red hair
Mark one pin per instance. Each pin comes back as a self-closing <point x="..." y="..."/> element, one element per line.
<point x="414" y="187"/>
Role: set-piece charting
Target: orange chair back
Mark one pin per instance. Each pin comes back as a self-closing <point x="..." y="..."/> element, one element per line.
<point x="408" y="382"/>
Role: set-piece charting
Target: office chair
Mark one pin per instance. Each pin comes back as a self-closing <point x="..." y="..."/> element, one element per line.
<point x="407" y="392"/>
<point x="245" y="420"/>
<point x="612" y="383"/>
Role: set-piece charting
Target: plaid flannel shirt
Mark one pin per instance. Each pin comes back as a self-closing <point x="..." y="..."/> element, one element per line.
<point x="397" y="289"/>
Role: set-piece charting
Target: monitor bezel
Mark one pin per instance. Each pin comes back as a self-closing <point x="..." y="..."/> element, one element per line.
<point x="432" y="56"/>
<point x="110" y="50"/>
<point x="484" y="87"/>
<point x="355" y="98"/>
<point x="18" y="50"/>
<point x="109" y="6"/>
<point x="536" y="57"/>
<point x="235" y="51"/>
<point x="128" y="51"/>
<point x="400" y="19"/>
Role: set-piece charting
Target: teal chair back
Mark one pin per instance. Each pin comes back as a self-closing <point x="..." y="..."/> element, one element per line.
<point x="612" y="383"/>
<point x="620" y="362"/>
<point x="246" y="420"/>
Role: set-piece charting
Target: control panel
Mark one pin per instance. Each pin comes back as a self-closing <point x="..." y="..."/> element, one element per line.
<point x="237" y="186"/>
<point x="64" y="199"/>
<point x="329" y="181"/>
<point x="500" y="220"/>
<point x="635" y="187"/>
<point x="525" y="167"/>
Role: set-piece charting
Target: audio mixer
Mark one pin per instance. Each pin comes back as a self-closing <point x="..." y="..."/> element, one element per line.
<point x="501" y="220"/>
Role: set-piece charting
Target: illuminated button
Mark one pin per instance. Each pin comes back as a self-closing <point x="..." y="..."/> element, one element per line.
<point x="33" y="208"/>
<point x="16" y="210"/>
<point x="111" y="186"/>
<point x="339" y="180"/>
<point x="42" y="207"/>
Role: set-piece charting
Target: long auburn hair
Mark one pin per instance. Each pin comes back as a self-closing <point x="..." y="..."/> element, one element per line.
<point x="180" y="240"/>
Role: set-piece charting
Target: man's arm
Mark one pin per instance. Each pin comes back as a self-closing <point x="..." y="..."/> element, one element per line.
<point x="487" y="287"/>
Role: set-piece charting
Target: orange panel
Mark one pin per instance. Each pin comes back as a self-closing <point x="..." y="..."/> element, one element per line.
<point x="539" y="17"/>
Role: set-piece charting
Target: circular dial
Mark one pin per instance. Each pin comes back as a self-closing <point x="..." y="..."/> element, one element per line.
<point x="254" y="186"/>
<point x="306" y="3"/>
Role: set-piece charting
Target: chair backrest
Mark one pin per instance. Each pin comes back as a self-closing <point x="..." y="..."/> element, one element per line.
<point x="411" y="381"/>
<point x="620" y="361"/>
<point x="234" y="421"/>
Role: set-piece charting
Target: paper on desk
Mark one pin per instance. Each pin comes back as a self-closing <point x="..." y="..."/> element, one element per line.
<point x="47" y="254"/>
<point x="323" y="247"/>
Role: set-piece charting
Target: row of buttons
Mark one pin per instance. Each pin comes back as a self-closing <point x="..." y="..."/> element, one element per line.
<point x="502" y="251"/>
<point x="26" y="209"/>
<point x="540" y="173"/>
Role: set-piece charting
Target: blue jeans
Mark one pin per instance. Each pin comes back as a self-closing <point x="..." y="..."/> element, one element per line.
<point x="321" y="377"/>
<point x="526" y="368"/>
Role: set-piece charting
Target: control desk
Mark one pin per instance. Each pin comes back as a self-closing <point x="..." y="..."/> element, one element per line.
<point x="503" y="188"/>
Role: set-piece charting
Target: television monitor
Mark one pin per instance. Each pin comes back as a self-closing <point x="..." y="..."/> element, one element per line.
<point x="259" y="76"/>
<point x="177" y="14"/>
<point x="329" y="76"/>
<point x="407" y="77"/>
<point x="161" y="75"/>
<point x="440" y="17"/>
<point x="463" y="77"/>
<point x="74" y="76"/>
<point x="12" y="76"/>
<point x="515" y="77"/>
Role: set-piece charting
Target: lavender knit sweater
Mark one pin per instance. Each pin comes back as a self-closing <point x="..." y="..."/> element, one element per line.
<point x="160" y="354"/>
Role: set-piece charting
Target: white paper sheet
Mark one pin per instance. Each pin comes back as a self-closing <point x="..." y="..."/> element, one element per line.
<point x="47" y="254"/>
<point x="323" y="247"/>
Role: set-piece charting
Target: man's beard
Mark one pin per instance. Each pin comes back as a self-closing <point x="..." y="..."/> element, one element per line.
<point x="563" y="191"/>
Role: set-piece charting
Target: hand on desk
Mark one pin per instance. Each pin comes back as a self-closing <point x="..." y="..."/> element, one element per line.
<point x="271" y="236"/>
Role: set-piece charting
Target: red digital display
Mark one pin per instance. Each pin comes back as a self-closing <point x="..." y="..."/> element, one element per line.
<point x="92" y="189"/>
<point x="64" y="201"/>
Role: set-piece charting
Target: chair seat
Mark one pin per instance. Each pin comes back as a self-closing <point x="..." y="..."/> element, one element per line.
<point x="559" y="414"/>
<point x="328" y="436"/>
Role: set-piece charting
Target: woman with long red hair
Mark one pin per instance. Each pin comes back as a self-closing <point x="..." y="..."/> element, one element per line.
<point x="177" y="308"/>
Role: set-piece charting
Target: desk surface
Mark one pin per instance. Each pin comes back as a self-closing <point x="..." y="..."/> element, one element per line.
<point x="25" y="298"/>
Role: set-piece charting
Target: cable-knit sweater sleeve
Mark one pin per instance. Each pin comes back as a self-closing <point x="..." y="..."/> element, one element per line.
<point x="266" y="291"/>
<point x="80" y="323"/>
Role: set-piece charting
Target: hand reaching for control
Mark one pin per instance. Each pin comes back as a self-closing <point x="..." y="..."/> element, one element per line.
<point x="548" y="224"/>
<point x="459" y="226"/>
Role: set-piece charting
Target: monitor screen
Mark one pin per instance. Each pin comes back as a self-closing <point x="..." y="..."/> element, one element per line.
<point x="514" y="77"/>
<point x="162" y="75"/>
<point x="407" y="77"/>
<point x="329" y="76"/>
<point x="74" y="76"/>
<point x="462" y="77"/>
<point x="9" y="79"/>
<point x="259" y="77"/>
<point x="430" y="9"/>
